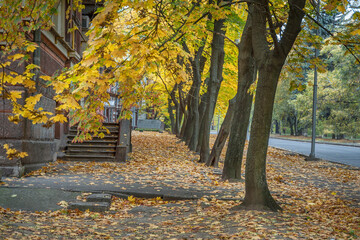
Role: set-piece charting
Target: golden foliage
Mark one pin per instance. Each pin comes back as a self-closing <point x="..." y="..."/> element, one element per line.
<point x="12" y="153"/>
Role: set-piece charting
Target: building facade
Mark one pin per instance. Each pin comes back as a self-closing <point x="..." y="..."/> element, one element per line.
<point x="58" y="49"/>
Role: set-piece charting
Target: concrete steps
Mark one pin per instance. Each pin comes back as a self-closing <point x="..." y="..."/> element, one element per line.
<point x="97" y="149"/>
<point x="106" y="137"/>
<point x="89" y="158"/>
<point x="91" y="151"/>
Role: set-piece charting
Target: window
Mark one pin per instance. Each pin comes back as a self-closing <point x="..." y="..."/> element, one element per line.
<point x="59" y="18"/>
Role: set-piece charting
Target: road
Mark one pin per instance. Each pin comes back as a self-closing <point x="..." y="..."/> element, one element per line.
<point x="334" y="153"/>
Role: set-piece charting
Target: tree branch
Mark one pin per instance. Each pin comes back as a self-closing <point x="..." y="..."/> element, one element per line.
<point x="224" y="36"/>
<point x="330" y="33"/>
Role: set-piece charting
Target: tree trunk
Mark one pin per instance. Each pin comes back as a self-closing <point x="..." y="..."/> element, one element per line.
<point x="340" y="136"/>
<point x="257" y="192"/>
<point x="216" y="68"/>
<point x="291" y="123"/>
<point x="184" y="113"/>
<point x="190" y="118"/>
<point x="178" y="116"/>
<point x="269" y="62"/>
<point x="277" y="127"/>
<point x="190" y="113"/>
<point x="296" y="125"/>
<point x="246" y="76"/>
<point x="202" y="108"/>
<point x="174" y="122"/>
<point x="197" y="66"/>
<point x="171" y="116"/>
<point x="222" y="136"/>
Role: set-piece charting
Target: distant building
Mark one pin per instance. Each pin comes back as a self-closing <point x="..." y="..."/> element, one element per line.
<point x="58" y="49"/>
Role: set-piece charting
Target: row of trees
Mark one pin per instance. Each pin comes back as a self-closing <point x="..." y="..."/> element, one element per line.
<point x="196" y="52"/>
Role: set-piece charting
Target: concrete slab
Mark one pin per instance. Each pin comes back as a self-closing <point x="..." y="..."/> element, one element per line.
<point x="34" y="199"/>
<point x="99" y="198"/>
<point x="91" y="206"/>
<point x="116" y="184"/>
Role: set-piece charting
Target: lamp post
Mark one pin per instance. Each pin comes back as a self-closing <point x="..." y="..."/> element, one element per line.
<point x="313" y="132"/>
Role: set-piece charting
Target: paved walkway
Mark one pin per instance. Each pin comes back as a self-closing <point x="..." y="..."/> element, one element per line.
<point x="42" y="193"/>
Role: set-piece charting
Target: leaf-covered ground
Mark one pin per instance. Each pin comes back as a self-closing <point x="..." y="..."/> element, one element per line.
<point x="320" y="200"/>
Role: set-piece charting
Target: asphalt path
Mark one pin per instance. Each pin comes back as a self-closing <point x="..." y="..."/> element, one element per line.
<point x="334" y="153"/>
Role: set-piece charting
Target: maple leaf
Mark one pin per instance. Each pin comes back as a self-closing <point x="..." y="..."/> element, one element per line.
<point x="31" y="47"/>
<point x="131" y="199"/>
<point x="16" y="56"/>
<point x="12" y="153"/>
<point x="59" y="118"/>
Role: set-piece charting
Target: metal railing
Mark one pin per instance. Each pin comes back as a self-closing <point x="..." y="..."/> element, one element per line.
<point x="111" y="114"/>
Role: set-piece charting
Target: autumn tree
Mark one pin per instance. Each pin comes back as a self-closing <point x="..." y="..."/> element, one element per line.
<point x="270" y="55"/>
<point x="20" y="31"/>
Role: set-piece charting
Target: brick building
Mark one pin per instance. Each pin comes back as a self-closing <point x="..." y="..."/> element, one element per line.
<point x="58" y="49"/>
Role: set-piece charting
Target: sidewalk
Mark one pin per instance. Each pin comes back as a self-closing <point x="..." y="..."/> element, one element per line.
<point x="42" y="193"/>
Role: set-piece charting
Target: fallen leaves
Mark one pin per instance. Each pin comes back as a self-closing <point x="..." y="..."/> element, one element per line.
<point x="320" y="200"/>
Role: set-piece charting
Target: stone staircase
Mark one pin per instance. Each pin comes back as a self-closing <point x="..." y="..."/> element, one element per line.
<point x="107" y="149"/>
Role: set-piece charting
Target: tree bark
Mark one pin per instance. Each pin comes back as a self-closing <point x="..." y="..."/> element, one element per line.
<point x="277" y="127"/>
<point x="257" y="192"/>
<point x="197" y="71"/>
<point x="202" y="108"/>
<point x="269" y="62"/>
<point x="246" y="76"/>
<point x="290" y="121"/>
<point x="190" y="118"/>
<point x="171" y="116"/>
<point x="222" y="136"/>
<point x="182" y="104"/>
<point x="216" y="68"/>
<point x="174" y="122"/>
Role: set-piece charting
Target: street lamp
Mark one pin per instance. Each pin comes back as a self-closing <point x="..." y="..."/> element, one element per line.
<point x="313" y="132"/>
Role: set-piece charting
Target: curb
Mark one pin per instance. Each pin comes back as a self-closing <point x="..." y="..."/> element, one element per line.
<point x="319" y="159"/>
<point x="330" y="143"/>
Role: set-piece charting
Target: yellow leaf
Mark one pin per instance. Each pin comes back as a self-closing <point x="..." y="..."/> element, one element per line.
<point x="59" y="118"/>
<point x="31" y="48"/>
<point x="341" y="8"/>
<point x="131" y="199"/>
<point x="14" y="119"/>
<point x="89" y="61"/>
<point x="15" y="94"/>
<point x="356" y="32"/>
<point x="101" y="135"/>
<point x="16" y="56"/>
<point x="16" y="80"/>
<point x="29" y="83"/>
<point x="46" y="78"/>
<point x="13" y="153"/>
<point x="32" y="101"/>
